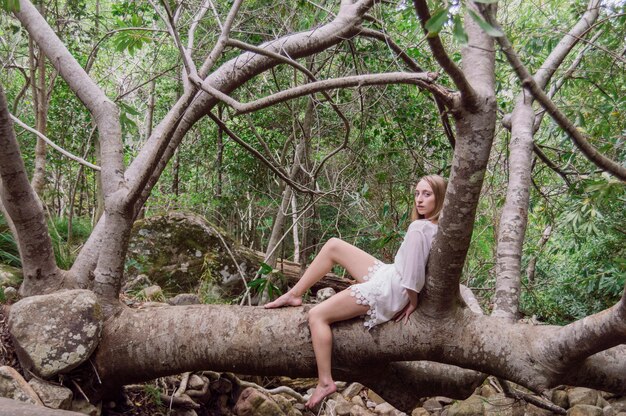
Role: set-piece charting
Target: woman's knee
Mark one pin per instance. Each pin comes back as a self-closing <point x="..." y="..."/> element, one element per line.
<point x="316" y="315"/>
<point x="333" y="246"/>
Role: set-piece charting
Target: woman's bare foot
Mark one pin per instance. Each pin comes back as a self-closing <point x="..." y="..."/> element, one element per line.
<point x="320" y="393"/>
<point x="288" y="299"/>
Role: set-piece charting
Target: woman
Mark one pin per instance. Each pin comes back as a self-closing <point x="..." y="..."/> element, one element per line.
<point x="383" y="291"/>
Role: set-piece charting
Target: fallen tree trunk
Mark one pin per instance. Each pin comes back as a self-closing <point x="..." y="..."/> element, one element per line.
<point x="140" y="345"/>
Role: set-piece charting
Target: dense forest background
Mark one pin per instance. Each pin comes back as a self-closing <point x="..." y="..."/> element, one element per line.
<point x="574" y="252"/>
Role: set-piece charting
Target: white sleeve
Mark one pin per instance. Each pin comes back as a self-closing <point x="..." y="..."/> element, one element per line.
<point x="413" y="264"/>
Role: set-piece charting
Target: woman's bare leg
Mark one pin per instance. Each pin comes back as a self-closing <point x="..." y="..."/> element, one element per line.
<point x="335" y="251"/>
<point x="340" y="307"/>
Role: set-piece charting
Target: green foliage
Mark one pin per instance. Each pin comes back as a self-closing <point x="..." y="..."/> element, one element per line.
<point x="10" y="5"/>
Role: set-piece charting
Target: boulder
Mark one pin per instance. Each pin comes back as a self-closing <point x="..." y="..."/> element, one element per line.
<point x="420" y="411"/>
<point x="10" y="276"/>
<point x="585" y="410"/>
<point x="342" y="406"/>
<point x="559" y="397"/>
<point x="352" y="390"/>
<point x="252" y="402"/>
<point x="52" y="395"/>
<point x="13" y="386"/>
<point x="619" y="404"/>
<point x="432" y="405"/>
<point x="55" y="333"/>
<point x="86" y="408"/>
<point x="10" y="293"/>
<point x="153" y="292"/>
<point x="500" y="405"/>
<point x="179" y="250"/>
<point x="472" y="406"/>
<point x="325" y="293"/>
<point x="385" y="409"/>
<point x="285" y="405"/>
<point x="360" y="411"/>
<point x="185" y="299"/>
<point x="532" y="410"/>
<point x="582" y="395"/>
<point x="10" y="407"/>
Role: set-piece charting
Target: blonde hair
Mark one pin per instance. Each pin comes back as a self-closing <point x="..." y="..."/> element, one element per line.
<point x="438" y="184"/>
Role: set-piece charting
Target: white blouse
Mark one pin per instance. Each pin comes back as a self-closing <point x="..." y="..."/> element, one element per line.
<point x="410" y="261"/>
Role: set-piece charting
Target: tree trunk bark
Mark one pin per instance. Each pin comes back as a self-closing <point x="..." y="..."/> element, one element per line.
<point x="515" y="212"/>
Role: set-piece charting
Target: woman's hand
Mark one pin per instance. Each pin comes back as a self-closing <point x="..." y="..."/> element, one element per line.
<point x="408" y="309"/>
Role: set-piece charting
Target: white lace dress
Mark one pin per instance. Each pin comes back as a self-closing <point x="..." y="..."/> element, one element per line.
<point x="385" y="287"/>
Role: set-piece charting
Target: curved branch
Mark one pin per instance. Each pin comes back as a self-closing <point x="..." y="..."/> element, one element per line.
<point x="468" y="95"/>
<point x="277" y="170"/>
<point x="441" y="102"/>
<point x="54" y="145"/>
<point x="425" y="80"/>
<point x="26" y="213"/>
<point x="577" y="137"/>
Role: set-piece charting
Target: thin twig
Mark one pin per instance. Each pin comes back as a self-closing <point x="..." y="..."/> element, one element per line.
<point x="53" y="145"/>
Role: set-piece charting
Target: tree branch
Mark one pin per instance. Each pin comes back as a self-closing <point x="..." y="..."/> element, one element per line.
<point x="468" y="95"/>
<point x="276" y="169"/>
<point x="54" y="145"/>
<point x="578" y="138"/>
<point x="41" y="274"/>
<point x="443" y="103"/>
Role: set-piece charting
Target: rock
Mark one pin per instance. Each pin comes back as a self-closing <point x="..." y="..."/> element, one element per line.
<point x="582" y="395"/>
<point x="619" y="404"/>
<point x="222" y="386"/>
<point x="179" y="250"/>
<point x="500" y="405"/>
<point x="602" y="401"/>
<point x="285" y="405"/>
<point x="185" y="299"/>
<point x="182" y="412"/>
<point x="252" y="402"/>
<point x="325" y="293"/>
<point x="432" y="405"/>
<point x="343" y="406"/>
<point x="560" y="398"/>
<point x="13" y="386"/>
<point x="420" y="411"/>
<point x="52" y="395"/>
<point x="55" y="333"/>
<point x="444" y="400"/>
<point x="385" y="409"/>
<point x="10" y="276"/>
<point x="352" y="390"/>
<point x="360" y="411"/>
<point x="609" y="411"/>
<point x="374" y="397"/>
<point x="195" y="382"/>
<point x="86" y="408"/>
<point x="584" y="410"/>
<point x="153" y="292"/>
<point x="472" y="406"/>
<point x="532" y="410"/>
<point x="488" y="390"/>
<point x="358" y="400"/>
<point x="10" y="294"/>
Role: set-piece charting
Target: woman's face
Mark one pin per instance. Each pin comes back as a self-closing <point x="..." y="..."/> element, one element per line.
<point x="424" y="199"/>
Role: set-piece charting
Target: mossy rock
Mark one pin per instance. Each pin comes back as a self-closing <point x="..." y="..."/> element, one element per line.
<point x="10" y="276"/>
<point x="180" y="250"/>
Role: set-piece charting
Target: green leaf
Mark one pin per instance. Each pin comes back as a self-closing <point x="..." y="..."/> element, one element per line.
<point x="265" y="268"/>
<point x="486" y="1"/>
<point x="459" y="32"/>
<point x="490" y="30"/>
<point x="436" y="22"/>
